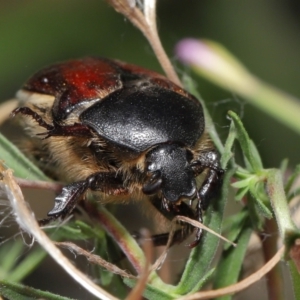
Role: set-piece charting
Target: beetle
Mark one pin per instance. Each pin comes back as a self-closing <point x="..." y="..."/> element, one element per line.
<point x="122" y="131"/>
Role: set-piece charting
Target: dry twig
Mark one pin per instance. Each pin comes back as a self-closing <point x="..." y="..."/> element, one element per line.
<point x="144" y="18"/>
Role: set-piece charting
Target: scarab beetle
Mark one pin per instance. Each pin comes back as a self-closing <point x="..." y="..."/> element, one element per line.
<point x="126" y="132"/>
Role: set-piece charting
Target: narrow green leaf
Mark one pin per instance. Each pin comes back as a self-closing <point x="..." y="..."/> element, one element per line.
<point x="151" y="292"/>
<point x="242" y="183"/>
<point x="14" y="291"/>
<point x="17" y="161"/>
<point x="77" y="230"/>
<point x="241" y="193"/>
<point x="227" y="154"/>
<point x="8" y="256"/>
<point x="294" y="194"/>
<point x="234" y="225"/>
<point x="200" y="259"/>
<point x="242" y="173"/>
<point x="284" y="165"/>
<point x="229" y="267"/>
<point x="258" y="193"/>
<point x="27" y="265"/>
<point x="248" y="147"/>
<point x="256" y="218"/>
<point x="101" y="249"/>
<point x="292" y="179"/>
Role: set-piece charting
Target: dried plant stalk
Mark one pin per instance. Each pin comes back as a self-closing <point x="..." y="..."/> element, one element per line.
<point x="145" y="21"/>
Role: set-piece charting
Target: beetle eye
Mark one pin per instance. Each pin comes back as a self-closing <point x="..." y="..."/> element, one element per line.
<point x="154" y="183"/>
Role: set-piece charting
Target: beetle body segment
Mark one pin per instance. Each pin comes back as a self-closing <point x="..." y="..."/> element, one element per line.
<point x="142" y="118"/>
<point x="122" y="131"/>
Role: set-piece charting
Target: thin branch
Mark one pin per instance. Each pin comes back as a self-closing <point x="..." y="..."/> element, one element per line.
<point x="140" y="286"/>
<point x="95" y="259"/>
<point x="39" y="184"/>
<point x="146" y="23"/>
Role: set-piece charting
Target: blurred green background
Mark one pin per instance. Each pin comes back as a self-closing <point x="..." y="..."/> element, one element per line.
<point x="263" y="34"/>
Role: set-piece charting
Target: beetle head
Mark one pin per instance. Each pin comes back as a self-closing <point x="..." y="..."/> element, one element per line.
<point x="169" y="171"/>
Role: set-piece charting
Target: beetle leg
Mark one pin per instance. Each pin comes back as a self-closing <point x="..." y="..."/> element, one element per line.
<point x="210" y="187"/>
<point x="106" y="182"/>
<point x="213" y="180"/>
<point x="66" y="201"/>
<point x="56" y="129"/>
<point x="181" y="210"/>
<point x="29" y="112"/>
<point x="199" y="219"/>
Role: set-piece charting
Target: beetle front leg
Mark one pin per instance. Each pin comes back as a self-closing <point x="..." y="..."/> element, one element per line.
<point x="210" y="187"/>
<point x="66" y="201"/>
<point x="71" y="194"/>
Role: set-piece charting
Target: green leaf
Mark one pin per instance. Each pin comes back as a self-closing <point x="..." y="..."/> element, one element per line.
<point x="9" y="253"/>
<point x="101" y="249"/>
<point x="242" y="183"/>
<point x="242" y="173"/>
<point x="249" y="150"/>
<point x="11" y="268"/>
<point x="14" y="291"/>
<point x="151" y="292"/>
<point x="234" y="225"/>
<point x="77" y="230"/>
<point x="292" y="179"/>
<point x="284" y="165"/>
<point x="199" y="263"/>
<point x="28" y="264"/>
<point x="257" y="221"/>
<point x="259" y="195"/>
<point x="229" y="267"/>
<point x="17" y="161"/>
<point x="227" y="154"/>
<point x="294" y="194"/>
<point x="241" y="193"/>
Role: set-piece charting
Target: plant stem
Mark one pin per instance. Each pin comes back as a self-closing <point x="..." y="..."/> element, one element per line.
<point x="279" y="203"/>
<point x="162" y="57"/>
<point x="274" y="277"/>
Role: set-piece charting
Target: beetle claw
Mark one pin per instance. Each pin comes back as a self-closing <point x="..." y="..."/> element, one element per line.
<point x="197" y="239"/>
